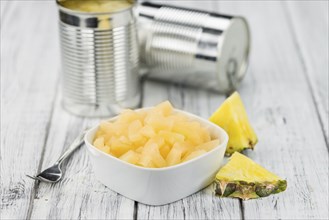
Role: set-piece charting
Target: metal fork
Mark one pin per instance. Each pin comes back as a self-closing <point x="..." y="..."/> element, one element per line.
<point x="54" y="173"/>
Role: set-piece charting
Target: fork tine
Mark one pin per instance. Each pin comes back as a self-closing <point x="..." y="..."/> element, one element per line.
<point x="32" y="177"/>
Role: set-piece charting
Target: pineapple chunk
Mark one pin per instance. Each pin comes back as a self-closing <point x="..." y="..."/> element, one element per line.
<point x="154" y="138"/>
<point x="178" y="117"/>
<point x="130" y="157"/>
<point x="128" y="116"/>
<point x="164" y="151"/>
<point x="99" y="142"/>
<point x="139" y="150"/>
<point x="152" y="149"/>
<point x="184" y="147"/>
<point x="158" y="140"/>
<point x="194" y="154"/>
<point x="158" y="122"/>
<point x="204" y="133"/>
<point x="208" y="146"/>
<point x="243" y="178"/>
<point x="120" y="128"/>
<point x="232" y="117"/>
<point x="120" y="145"/>
<point x="191" y="131"/>
<point x="145" y="161"/>
<point x="148" y="131"/>
<point x="174" y="156"/>
<point x="171" y="137"/>
<point x="165" y="108"/>
<point x="133" y="130"/>
<point x="134" y="135"/>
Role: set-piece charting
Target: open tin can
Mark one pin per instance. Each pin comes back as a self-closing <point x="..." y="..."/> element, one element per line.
<point x="99" y="56"/>
<point x="193" y="47"/>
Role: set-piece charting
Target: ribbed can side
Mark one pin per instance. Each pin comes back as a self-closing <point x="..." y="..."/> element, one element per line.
<point x="172" y="46"/>
<point x="100" y="69"/>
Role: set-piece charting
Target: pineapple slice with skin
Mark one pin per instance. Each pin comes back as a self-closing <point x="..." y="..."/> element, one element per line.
<point x="243" y="178"/>
<point x="232" y="117"/>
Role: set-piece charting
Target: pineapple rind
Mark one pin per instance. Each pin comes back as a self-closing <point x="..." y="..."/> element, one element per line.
<point x="245" y="190"/>
<point x="243" y="178"/>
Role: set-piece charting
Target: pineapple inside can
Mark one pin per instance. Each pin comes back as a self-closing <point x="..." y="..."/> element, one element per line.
<point x="96" y="6"/>
<point x="154" y="138"/>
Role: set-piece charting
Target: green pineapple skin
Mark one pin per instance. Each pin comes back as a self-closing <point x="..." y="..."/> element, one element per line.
<point x="245" y="191"/>
<point x="230" y="149"/>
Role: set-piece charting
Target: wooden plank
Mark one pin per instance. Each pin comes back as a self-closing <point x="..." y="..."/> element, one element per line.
<point x="79" y="195"/>
<point x="29" y="73"/>
<point x="309" y="25"/>
<point x="283" y="113"/>
<point x="204" y="204"/>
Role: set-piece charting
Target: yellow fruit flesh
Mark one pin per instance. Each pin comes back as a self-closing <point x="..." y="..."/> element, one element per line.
<point x="232" y="117"/>
<point x="241" y="168"/>
<point x="96" y="5"/>
<point x="243" y="178"/>
<point x="154" y="138"/>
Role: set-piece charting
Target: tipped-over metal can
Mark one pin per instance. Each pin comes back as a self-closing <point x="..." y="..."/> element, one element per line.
<point x="197" y="48"/>
<point x="99" y="56"/>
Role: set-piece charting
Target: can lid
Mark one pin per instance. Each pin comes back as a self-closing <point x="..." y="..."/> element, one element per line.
<point x="233" y="53"/>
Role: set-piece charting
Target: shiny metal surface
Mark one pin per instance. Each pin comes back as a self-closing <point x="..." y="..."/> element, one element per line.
<point x="99" y="62"/>
<point x="193" y="47"/>
<point x="54" y="173"/>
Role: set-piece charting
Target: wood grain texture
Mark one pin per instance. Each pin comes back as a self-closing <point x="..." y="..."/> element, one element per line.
<point x="282" y="110"/>
<point x="285" y="93"/>
<point x="309" y="26"/>
<point x="79" y="195"/>
<point x="29" y="76"/>
<point x="204" y="204"/>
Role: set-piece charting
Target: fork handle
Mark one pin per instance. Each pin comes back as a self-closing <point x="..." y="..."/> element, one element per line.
<point x="75" y="145"/>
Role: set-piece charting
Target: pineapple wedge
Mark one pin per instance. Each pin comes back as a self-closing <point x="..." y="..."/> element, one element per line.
<point x="243" y="178"/>
<point x="232" y="117"/>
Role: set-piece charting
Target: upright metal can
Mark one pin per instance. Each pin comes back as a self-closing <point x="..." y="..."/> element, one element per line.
<point x="193" y="47"/>
<point x="99" y="58"/>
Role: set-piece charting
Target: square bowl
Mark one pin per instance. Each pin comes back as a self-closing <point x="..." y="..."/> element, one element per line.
<point x="158" y="186"/>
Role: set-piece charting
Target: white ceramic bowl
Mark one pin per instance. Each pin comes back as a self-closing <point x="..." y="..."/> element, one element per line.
<point x="158" y="186"/>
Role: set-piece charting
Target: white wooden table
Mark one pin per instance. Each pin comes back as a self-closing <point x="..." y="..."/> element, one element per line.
<point x="285" y="93"/>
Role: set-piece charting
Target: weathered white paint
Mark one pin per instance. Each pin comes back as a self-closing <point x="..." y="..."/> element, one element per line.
<point x="280" y="105"/>
<point x="29" y="77"/>
<point x="288" y="49"/>
<point x="79" y="194"/>
<point x="204" y="204"/>
<point x="309" y="24"/>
